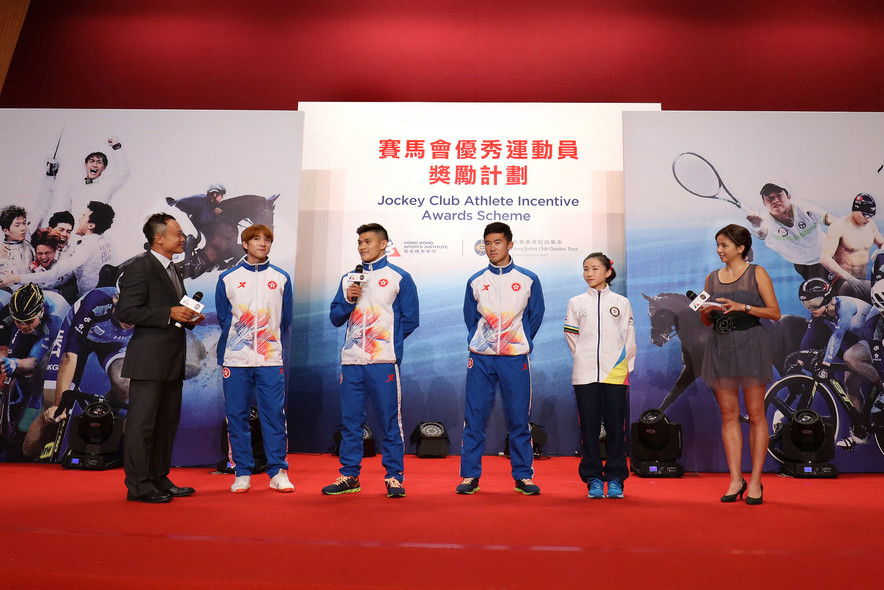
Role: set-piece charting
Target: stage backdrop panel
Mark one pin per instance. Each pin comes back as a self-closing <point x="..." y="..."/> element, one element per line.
<point x="822" y="159"/>
<point x="162" y="158"/>
<point x="435" y="175"/>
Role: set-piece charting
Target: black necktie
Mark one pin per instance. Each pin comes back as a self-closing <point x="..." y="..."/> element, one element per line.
<point x="174" y="276"/>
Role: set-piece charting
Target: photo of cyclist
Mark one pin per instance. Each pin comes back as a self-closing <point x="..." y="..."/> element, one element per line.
<point x="28" y="326"/>
<point x="90" y="326"/>
<point x="853" y="325"/>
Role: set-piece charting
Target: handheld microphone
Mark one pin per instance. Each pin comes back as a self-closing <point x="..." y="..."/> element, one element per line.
<point x="720" y="322"/>
<point x="697" y="300"/>
<point x="192" y="304"/>
<point x="357" y="277"/>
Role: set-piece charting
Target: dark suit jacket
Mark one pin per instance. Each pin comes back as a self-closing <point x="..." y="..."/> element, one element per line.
<point x="156" y="351"/>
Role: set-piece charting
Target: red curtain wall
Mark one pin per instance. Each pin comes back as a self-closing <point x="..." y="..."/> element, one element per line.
<point x="270" y="54"/>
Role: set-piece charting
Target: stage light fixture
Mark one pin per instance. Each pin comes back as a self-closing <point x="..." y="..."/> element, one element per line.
<point x="430" y="440"/>
<point x="808" y="446"/>
<point x="96" y="423"/>
<point x="95" y="438"/>
<point x="655" y="446"/>
<point x="538" y="440"/>
<point x="368" y="442"/>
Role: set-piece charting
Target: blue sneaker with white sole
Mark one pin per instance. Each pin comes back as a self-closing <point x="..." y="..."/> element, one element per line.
<point x="596" y="489"/>
<point x="615" y="488"/>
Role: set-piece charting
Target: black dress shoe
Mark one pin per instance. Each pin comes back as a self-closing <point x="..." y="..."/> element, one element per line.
<point x="177" y="492"/>
<point x="152" y="497"/>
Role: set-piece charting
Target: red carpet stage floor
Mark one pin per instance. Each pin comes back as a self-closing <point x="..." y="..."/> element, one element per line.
<point x="70" y="529"/>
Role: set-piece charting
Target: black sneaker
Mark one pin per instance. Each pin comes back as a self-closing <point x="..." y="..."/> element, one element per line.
<point x="394" y="488"/>
<point x="343" y="485"/>
<point x="469" y="485"/>
<point x="527" y="487"/>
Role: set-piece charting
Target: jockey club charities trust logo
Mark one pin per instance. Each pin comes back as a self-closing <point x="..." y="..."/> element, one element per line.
<point x="271" y="285"/>
<point x="383" y="282"/>
<point x="225" y="373"/>
<point x="479" y="247"/>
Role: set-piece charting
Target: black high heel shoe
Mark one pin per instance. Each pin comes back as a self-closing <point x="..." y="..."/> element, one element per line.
<point x="733" y="497"/>
<point x="755" y="501"/>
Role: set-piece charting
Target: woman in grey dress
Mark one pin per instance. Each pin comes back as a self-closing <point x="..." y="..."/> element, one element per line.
<point x="738" y="355"/>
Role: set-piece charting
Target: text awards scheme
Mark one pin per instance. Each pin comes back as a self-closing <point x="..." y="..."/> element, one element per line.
<point x="477" y="204"/>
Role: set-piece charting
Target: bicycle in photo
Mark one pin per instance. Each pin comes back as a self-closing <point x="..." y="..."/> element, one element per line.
<point x="11" y="407"/>
<point x="812" y="386"/>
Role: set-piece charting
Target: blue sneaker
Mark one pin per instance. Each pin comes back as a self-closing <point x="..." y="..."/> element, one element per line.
<point x="615" y="488"/>
<point x="596" y="489"/>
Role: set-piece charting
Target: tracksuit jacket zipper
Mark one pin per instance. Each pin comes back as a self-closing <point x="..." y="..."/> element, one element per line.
<point x="598" y="347"/>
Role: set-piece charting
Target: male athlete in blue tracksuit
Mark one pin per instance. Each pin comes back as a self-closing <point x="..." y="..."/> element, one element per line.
<point x="254" y="305"/>
<point x="380" y="312"/>
<point x="503" y="309"/>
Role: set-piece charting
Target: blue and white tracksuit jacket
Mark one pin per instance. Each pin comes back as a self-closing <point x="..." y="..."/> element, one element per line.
<point x="503" y="309"/>
<point x="254" y="306"/>
<point x="386" y="312"/>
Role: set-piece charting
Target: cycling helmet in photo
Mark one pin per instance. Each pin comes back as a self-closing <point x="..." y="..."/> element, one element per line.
<point x="815" y="293"/>
<point x="26" y="303"/>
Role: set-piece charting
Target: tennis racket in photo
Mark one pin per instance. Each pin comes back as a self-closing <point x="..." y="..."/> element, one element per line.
<point x="699" y="177"/>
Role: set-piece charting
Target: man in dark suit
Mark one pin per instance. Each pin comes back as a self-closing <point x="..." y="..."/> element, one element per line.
<point x="150" y="290"/>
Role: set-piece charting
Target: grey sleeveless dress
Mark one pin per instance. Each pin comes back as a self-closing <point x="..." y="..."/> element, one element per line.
<point x="739" y="353"/>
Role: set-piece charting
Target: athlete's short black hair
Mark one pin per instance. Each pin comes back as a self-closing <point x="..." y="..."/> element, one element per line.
<point x="499" y="227"/>
<point x="101" y="155"/>
<point x="10" y="214"/>
<point x="375" y="227"/>
<point x="101" y="215"/>
<point x="62" y="217"/>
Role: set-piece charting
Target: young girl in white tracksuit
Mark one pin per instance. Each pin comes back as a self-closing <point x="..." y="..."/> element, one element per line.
<point x="601" y="335"/>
